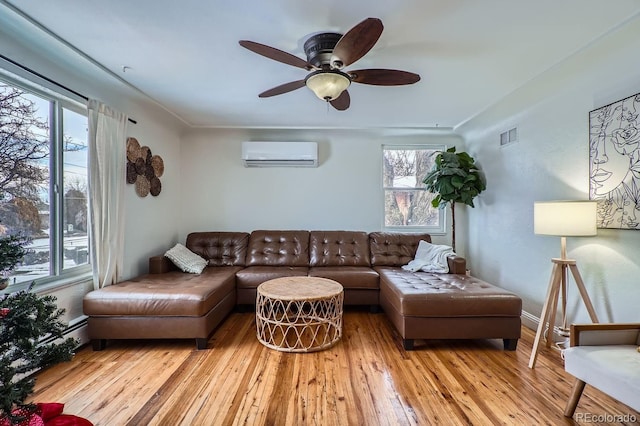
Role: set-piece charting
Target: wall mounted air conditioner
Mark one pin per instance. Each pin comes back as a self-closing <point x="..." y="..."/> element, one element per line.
<point x="280" y="154"/>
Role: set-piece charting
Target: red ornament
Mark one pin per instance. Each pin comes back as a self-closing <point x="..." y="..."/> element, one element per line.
<point x="48" y="414"/>
<point x="4" y="312"/>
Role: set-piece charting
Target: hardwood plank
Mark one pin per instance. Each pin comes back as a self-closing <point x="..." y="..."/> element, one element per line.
<point x="350" y="410"/>
<point x="381" y="386"/>
<point x="184" y="398"/>
<point x="358" y="375"/>
<point x="365" y="379"/>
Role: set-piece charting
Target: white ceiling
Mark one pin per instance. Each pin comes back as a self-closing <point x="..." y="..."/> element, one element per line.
<point x="185" y="54"/>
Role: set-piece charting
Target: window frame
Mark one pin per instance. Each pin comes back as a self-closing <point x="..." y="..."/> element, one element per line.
<point x="58" y="101"/>
<point x="433" y="230"/>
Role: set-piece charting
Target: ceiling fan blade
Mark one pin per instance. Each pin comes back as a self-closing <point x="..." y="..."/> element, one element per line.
<point x="342" y="102"/>
<point x="383" y="77"/>
<point x="275" y="54"/>
<point x="356" y="42"/>
<point x="283" y="88"/>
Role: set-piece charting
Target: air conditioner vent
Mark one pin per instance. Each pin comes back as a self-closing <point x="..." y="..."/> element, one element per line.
<point x="509" y="137"/>
<point x="279" y="163"/>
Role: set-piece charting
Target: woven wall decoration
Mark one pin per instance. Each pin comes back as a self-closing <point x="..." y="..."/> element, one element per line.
<point x="143" y="169"/>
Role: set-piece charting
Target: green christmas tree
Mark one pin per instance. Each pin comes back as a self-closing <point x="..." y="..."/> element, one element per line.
<point x="11" y="253"/>
<point x="31" y="338"/>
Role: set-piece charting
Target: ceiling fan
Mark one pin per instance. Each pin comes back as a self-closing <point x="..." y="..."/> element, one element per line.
<point x="327" y="55"/>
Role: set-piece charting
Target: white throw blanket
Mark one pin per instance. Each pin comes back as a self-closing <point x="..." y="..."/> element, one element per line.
<point x="430" y="258"/>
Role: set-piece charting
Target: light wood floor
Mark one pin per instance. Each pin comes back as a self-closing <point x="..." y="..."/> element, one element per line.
<point x="366" y="379"/>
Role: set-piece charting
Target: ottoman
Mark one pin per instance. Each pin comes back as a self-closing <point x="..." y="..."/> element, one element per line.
<point x="424" y="305"/>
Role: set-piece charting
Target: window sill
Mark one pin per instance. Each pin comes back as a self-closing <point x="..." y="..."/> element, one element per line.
<point x="414" y="230"/>
<point x="53" y="283"/>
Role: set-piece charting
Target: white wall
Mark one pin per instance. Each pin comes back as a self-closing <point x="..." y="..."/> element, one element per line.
<point x="151" y="222"/>
<point x="551" y="162"/>
<point x="343" y="193"/>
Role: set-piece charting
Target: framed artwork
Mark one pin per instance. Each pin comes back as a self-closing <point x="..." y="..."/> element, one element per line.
<point x="614" y="163"/>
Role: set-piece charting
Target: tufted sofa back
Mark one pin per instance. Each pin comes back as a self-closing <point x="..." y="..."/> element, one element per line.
<point x="278" y="248"/>
<point x="220" y="248"/>
<point x="304" y="248"/>
<point x="339" y="248"/>
<point x="394" y="249"/>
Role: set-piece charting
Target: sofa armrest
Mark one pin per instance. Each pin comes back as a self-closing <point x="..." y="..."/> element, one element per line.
<point x="160" y="265"/>
<point x="605" y="334"/>
<point x="457" y="265"/>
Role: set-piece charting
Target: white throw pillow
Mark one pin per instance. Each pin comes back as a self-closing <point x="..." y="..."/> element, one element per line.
<point x="430" y="258"/>
<point x="185" y="259"/>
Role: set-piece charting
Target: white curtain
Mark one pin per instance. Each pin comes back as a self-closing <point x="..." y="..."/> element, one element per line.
<point x="107" y="162"/>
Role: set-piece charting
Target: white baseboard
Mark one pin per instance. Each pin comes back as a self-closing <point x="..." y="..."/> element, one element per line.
<point x="531" y="321"/>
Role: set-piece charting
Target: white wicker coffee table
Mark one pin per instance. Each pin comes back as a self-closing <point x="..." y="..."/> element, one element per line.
<point x="299" y="314"/>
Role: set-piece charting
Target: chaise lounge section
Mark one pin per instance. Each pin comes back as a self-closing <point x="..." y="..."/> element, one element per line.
<point x="424" y="305"/>
<point x="169" y="303"/>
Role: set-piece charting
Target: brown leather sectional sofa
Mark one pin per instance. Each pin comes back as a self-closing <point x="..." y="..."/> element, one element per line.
<point x="168" y="303"/>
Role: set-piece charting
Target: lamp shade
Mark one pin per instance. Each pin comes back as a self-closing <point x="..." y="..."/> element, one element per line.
<point x="328" y="85"/>
<point x="565" y="218"/>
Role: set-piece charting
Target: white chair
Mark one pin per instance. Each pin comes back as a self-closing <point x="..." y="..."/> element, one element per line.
<point x="606" y="357"/>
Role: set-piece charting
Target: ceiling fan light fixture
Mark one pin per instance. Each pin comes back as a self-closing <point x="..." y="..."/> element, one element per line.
<point x="328" y="84"/>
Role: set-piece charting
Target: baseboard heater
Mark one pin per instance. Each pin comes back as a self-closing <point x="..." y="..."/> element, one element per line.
<point x="76" y="328"/>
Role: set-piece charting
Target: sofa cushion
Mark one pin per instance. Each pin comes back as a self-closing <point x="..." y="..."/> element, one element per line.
<point x="614" y="369"/>
<point x="185" y="259"/>
<point x="220" y="248"/>
<point x="169" y="294"/>
<point x="351" y="277"/>
<point x="339" y="248"/>
<point x="394" y="249"/>
<point x="278" y="248"/>
<point x="253" y="276"/>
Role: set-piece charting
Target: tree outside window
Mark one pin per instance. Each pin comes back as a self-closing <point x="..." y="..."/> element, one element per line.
<point x="407" y="205"/>
<point x="43" y="180"/>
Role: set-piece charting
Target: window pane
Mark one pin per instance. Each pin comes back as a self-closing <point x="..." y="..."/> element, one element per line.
<point x="43" y="181"/>
<point x="407" y="167"/>
<point x="410" y="208"/>
<point x="407" y="203"/>
<point x="24" y="177"/>
<point x="75" y="213"/>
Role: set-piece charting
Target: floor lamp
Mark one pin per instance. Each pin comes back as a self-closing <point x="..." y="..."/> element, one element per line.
<point x="563" y="219"/>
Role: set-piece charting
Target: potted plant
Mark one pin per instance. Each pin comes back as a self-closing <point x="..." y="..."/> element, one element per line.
<point x="455" y="178"/>
<point x="11" y="253"/>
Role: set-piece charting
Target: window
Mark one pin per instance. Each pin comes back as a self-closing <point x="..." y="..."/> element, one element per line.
<point x="43" y="180"/>
<point x="407" y="205"/>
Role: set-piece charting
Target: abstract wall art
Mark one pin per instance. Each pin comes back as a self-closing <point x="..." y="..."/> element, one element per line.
<point x="143" y="169"/>
<point x="614" y="163"/>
